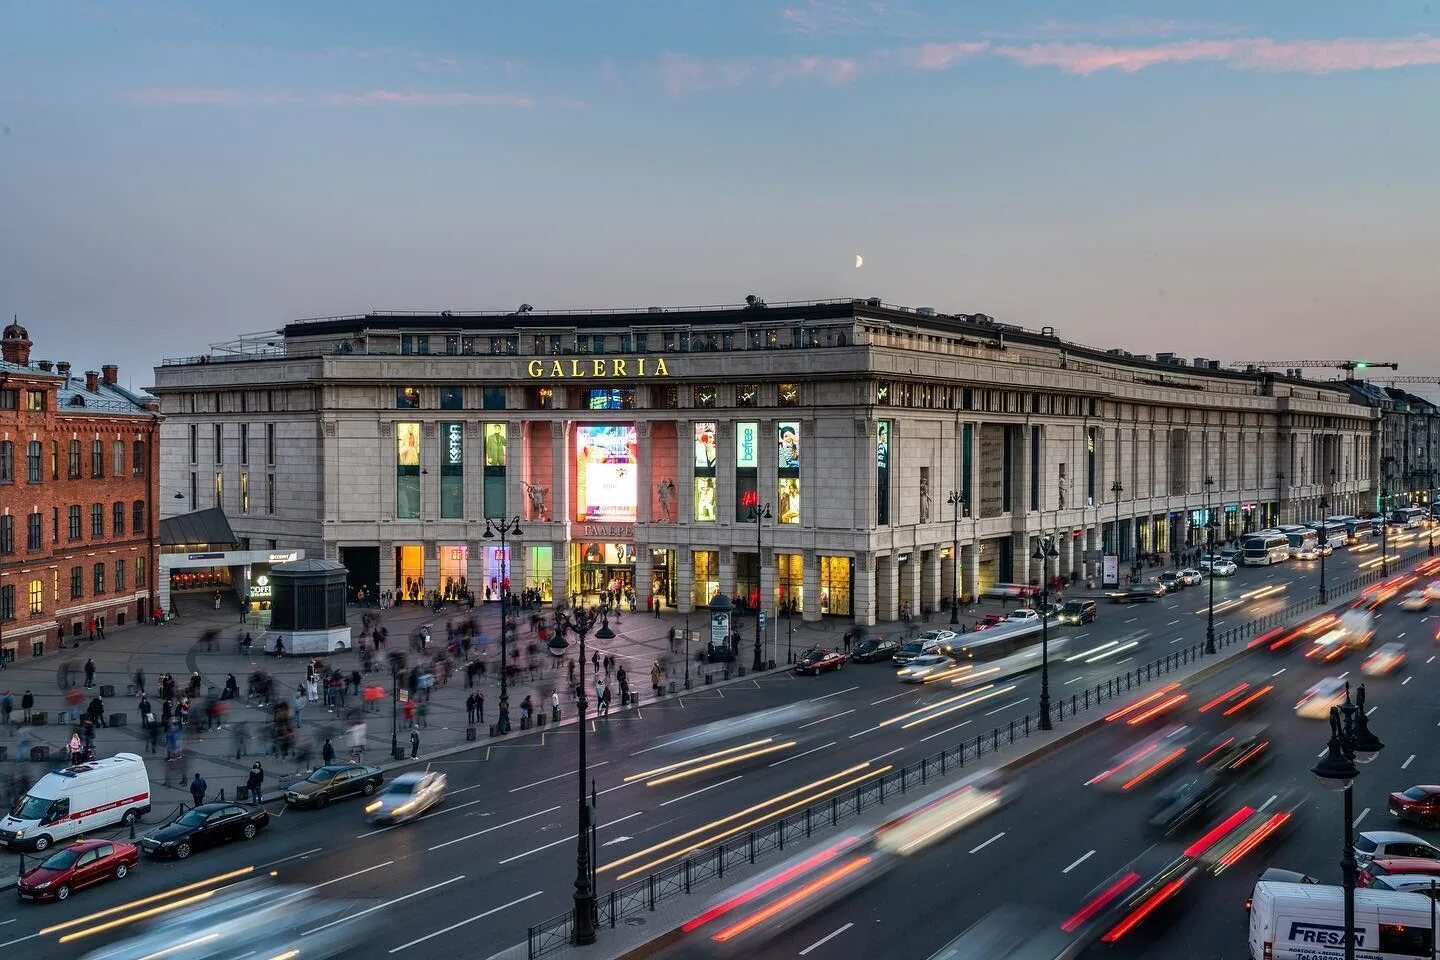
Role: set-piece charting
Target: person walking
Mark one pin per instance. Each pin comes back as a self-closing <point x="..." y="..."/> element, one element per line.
<point x="470" y="710"/>
<point x="414" y="742"/>
<point x="197" y="789"/>
<point x="27" y="704"/>
<point x="90" y="672"/>
<point x="7" y="706"/>
<point x="253" y="781"/>
<point x="555" y="706"/>
<point x="327" y="752"/>
<point x="479" y="706"/>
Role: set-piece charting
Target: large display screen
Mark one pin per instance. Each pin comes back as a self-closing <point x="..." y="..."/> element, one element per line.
<point x="787" y="434"/>
<point x="747" y="453"/>
<point x="705" y="446"/>
<point x="605" y="472"/>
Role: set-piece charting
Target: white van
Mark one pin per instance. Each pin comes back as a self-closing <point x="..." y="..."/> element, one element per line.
<point x="77" y="800"/>
<point x="1299" y="921"/>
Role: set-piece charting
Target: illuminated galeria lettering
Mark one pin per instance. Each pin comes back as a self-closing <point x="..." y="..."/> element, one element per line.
<point x="598" y="368"/>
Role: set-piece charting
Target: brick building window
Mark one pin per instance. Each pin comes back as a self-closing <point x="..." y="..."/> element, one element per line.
<point x="34" y="540"/>
<point x="35" y="401"/>
<point x="7" y="602"/>
<point x="137" y="458"/>
<point x="137" y="517"/>
<point x="7" y="534"/>
<point x="97" y="459"/>
<point x="98" y="573"/>
<point x="117" y="519"/>
<point x="7" y="461"/>
<point x="117" y="457"/>
<point x="74" y="518"/>
<point x="77" y="583"/>
<point x="97" y="520"/>
<point x="32" y="461"/>
<point x="139" y="572"/>
<point x="37" y="597"/>
<point x="9" y="399"/>
<point x="119" y="574"/>
<point x="73" y="461"/>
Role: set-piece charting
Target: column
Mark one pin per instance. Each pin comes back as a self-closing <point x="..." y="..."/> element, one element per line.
<point x="887" y="588"/>
<point x="947" y="586"/>
<point x="812" y="586"/>
<point x="560" y="572"/>
<point x="474" y="467"/>
<point x="429" y="479"/>
<point x="644" y="568"/>
<point x="514" y="472"/>
<point x="725" y="472"/>
<point x="685" y="440"/>
<point x="969" y="573"/>
<point x="929" y="580"/>
<point x="1020" y="549"/>
<point x="1077" y="555"/>
<point x="474" y="566"/>
<point x="863" y="594"/>
<point x="684" y="578"/>
<point x="644" y="482"/>
<point x="727" y="572"/>
<point x="387" y="568"/>
<point x="767" y="573"/>
<point x="559" y="505"/>
<point x="431" y="551"/>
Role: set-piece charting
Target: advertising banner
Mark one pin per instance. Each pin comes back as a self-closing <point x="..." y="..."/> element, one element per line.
<point x="605" y="473"/>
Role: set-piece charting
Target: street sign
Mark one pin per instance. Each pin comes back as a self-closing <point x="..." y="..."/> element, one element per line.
<point x="762" y="619"/>
<point x="1111" y="571"/>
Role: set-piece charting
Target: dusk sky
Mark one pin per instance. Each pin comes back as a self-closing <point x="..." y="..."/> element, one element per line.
<point x="1221" y="179"/>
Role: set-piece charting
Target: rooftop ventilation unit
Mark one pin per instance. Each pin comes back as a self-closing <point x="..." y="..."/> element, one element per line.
<point x="925" y="311"/>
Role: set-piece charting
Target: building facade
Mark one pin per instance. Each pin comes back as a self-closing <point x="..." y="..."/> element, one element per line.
<point x="79" y="474"/>
<point x="894" y="456"/>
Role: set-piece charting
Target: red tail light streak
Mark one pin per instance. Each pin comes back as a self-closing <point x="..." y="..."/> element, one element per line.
<point x="1145" y="909"/>
<point x="1249" y="700"/>
<point x="779" y="880"/>
<point x="1272" y="823"/>
<point x="790" y="900"/>
<point x="1218" y="832"/>
<point x="1224" y="696"/>
<point x="1159" y="708"/>
<point x="1154" y="768"/>
<point x="1103" y="900"/>
<point x="1123" y="711"/>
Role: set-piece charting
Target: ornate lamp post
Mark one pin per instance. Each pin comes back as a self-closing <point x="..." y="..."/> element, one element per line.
<point x="1324" y="505"/>
<point x="1210" y="546"/>
<point x="1351" y="742"/>
<point x="955" y="501"/>
<point x="756" y="515"/>
<point x="580" y="622"/>
<point x="1044" y="552"/>
<point x="1116" y="488"/>
<point x="503" y="529"/>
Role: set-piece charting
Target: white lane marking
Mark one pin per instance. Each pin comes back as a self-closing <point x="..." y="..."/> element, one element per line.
<point x="1402" y="683"/>
<point x="865" y="731"/>
<point x="11" y="920"/>
<point x="823" y="719"/>
<point x="1407" y="762"/>
<point x="19" y="940"/>
<point x="556" y="843"/>
<point x="1072" y="680"/>
<point x="835" y="694"/>
<point x="1177" y="639"/>
<point x="1007" y="706"/>
<point x="1132" y="619"/>
<point x="696" y="793"/>
<point x="1323" y="752"/>
<point x="943" y="732"/>
<point x="498" y="826"/>
<point x="826" y="939"/>
<point x="1273" y="798"/>
<point x="293" y="856"/>
<point x="805" y="754"/>
<point x="1083" y="858"/>
<point x="1219" y="623"/>
<point x="1126" y="660"/>
<point x="1343" y="675"/>
<point x="1401" y="637"/>
<point x="432" y="813"/>
<point x="1172" y="623"/>
<point x="888" y="753"/>
<point x="1278" y="672"/>
<point x="876" y="703"/>
<point x="1080" y="636"/>
<point x="1372" y="709"/>
<point x="326" y="883"/>
<point x="558" y="776"/>
<point x="1361" y="817"/>
<point x="381" y="906"/>
<point x="456" y="926"/>
<point x="987" y="842"/>
<point x="1431" y="660"/>
<point x="613" y="789"/>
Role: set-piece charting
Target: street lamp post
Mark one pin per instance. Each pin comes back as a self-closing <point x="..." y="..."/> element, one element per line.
<point x="1210" y="545"/>
<point x="1044" y="551"/>
<point x="395" y="752"/>
<point x="756" y="515"/>
<point x="1384" y="522"/>
<point x="687" y="651"/>
<point x="1351" y="742"/>
<point x="1116" y="488"/>
<point x="503" y="529"/>
<point x="580" y="622"/>
<point x="1324" y="544"/>
<point x="955" y="501"/>
<point x="1279" y="497"/>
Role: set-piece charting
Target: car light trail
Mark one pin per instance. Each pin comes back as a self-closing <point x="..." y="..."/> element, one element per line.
<point x="142" y="915"/>
<point x="790" y="899"/>
<point x="1249" y="700"/>
<point x="1275" y="822"/>
<point x="1218" y="832"/>
<point x="701" y="759"/>
<point x="1224" y="696"/>
<point x="1265" y="637"/>
<point x="180" y="946"/>
<point x="1130" y="922"/>
<point x="731" y="831"/>
<point x="1153" y="768"/>
<point x="779" y="880"/>
<point x="911" y="832"/>
<point x="1122" y="764"/>
<point x="1083" y="915"/>
<point x="916" y="713"/>
<point x="1216" y="749"/>
<point x="1110" y="653"/>
<point x="1080" y="656"/>
<point x="974" y="675"/>
<point x="1248" y="755"/>
<point x="716" y="765"/>
<point x="1158" y="708"/>
<point x="197" y="885"/>
<point x="1142" y="701"/>
<point x="961" y="706"/>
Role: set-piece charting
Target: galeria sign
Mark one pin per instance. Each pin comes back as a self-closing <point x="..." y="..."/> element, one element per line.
<point x="598" y="368"/>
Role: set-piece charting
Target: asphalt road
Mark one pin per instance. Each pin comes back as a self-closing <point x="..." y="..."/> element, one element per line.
<point x="500" y="854"/>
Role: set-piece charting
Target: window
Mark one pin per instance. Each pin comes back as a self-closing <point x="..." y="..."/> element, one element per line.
<point x="407" y="398"/>
<point x="7" y="534"/>
<point x="7" y="598"/>
<point x="219" y="443"/>
<point x="787" y="395"/>
<point x="54" y="460"/>
<point x="73" y="460"/>
<point x="117" y="519"/>
<point x="452" y="345"/>
<point x="35" y="400"/>
<point x="117" y="457"/>
<point x="244" y="493"/>
<point x="542" y="398"/>
<point x="54" y="524"/>
<point x="9" y="399"/>
<point x="34" y="527"/>
<point x="244" y="443"/>
<point x="414" y="343"/>
<point x="407" y="471"/>
<point x="97" y="520"/>
<point x="615" y="398"/>
<point x="194" y="489"/>
<point x="137" y="516"/>
<point x="37" y="597"/>
<point x="77" y="583"/>
<point x="670" y="399"/>
<point x="74" y="521"/>
<point x="452" y="398"/>
<point x="270" y="443"/>
<point x="219" y="497"/>
<point x="270" y="493"/>
<point x="704" y="396"/>
<point x="98" y="573"/>
<point x="627" y="343"/>
<point x="747" y="394"/>
<point x="119" y="574"/>
<point x="7" y="461"/>
<point x="1396" y="939"/>
<point x="194" y="443"/>
<point x="32" y="461"/>
<point x="138" y="459"/>
<point x="139" y="573"/>
<point x="493" y="398"/>
<point x="97" y="458"/>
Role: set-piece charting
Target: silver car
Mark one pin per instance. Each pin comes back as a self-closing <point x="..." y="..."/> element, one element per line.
<point x="407" y="797"/>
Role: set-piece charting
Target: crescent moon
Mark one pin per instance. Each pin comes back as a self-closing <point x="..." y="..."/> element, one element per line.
<point x="859" y="261"/>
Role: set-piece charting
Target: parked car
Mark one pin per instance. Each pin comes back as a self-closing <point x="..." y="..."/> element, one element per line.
<point x="1383" y="844"/>
<point x="1170" y="581"/>
<point x="334" y="781"/>
<point x="1190" y="576"/>
<point x="81" y="864"/>
<point x="922" y="668"/>
<point x="1419" y="805"/>
<point x="1079" y="611"/>
<point x="817" y="660"/>
<point x="874" y="649"/>
<point x="1422" y="883"/>
<point x="935" y="638"/>
<point x="1023" y="615"/>
<point x="989" y="620"/>
<point x="908" y="652"/>
<point x="1393" y="866"/>
<point x="407" y="797"/>
<point x="207" y="825"/>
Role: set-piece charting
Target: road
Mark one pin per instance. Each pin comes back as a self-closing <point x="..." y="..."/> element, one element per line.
<point x="500" y="854"/>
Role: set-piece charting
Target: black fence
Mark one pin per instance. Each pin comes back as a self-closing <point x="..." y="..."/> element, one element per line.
<point x="747" y="846"/>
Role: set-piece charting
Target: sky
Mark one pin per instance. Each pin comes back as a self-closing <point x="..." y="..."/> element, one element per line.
<point x="1232" y="180"/>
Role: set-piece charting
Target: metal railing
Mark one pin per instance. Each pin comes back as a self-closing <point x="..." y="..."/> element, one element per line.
<point x="712" y="862"/>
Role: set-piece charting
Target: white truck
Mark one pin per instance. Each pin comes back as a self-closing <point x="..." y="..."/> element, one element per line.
<point x="1301" y="921"/>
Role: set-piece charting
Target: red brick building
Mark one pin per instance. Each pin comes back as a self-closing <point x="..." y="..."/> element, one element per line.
<point x="79" y="481"/>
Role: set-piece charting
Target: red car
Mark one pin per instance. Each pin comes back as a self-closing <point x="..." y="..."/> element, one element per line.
<point x="817" y="660"/>
<point x="78" y="865"/>
<point x="1388" y="866"/>
<point x="1419" y="805"/>
<point x="989" y="620"/>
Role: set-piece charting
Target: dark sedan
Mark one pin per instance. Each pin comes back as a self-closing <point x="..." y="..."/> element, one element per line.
<point x="78" y="865"/>
<point x="1419" y="805"/>
<point x="334" y="781"/>
<point x="817" y="660"/>
<point x="1137" y="593"/>
<point x="207" y="825"/>
<point x="875" y="649"/>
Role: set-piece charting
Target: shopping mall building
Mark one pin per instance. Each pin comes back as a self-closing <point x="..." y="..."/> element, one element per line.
<point x="636" y="447"/>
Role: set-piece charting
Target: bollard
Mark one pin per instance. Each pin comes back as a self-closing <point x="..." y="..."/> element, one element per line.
<point x="470" y="732"/>
<point x="132" y="827"/>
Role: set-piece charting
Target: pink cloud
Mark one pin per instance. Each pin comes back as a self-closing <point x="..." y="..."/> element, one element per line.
<point x="941" y="56"/>
<point x="681" y="74"/>
<point x="1261" y="54"/>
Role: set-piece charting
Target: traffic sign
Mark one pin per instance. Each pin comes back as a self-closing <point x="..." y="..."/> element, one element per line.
<point x="762" y="618"/>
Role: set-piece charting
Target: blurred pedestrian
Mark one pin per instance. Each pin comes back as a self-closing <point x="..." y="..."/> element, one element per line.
<point x="197" y="789"/>
<point x="327" y="752"/>
<point x="90" y="672"/>
<point x="414" y="742"/>
<point x="254" y="780"/>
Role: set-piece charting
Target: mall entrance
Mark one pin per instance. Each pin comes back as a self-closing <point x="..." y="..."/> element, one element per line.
<point x="598" y="567"/>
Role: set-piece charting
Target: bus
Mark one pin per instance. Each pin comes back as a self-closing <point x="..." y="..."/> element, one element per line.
<point x="1304" y="543"/>
<point x="1356" y="528"/>
<point x="989" y="656"/>
<point x="1264" y="548"/>
<point x="1407" y="518"/>
<point x="1332" y="531"/>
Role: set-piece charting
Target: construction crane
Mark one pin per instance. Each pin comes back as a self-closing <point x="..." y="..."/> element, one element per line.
<point x="1391" y="381"/>
<point x="1349" y="366"/>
